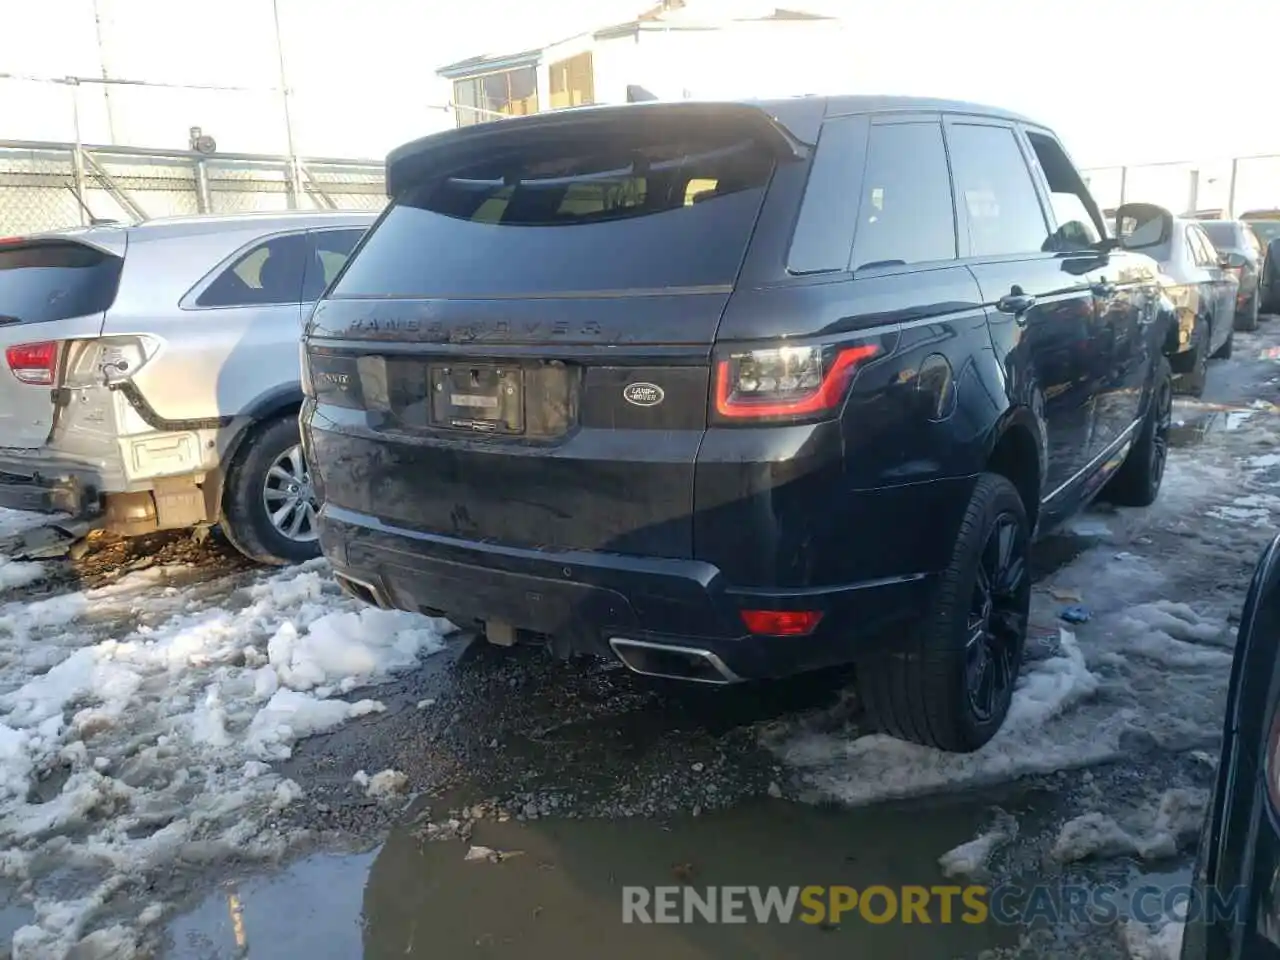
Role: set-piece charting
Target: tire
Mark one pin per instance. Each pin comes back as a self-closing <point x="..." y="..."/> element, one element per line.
<point x="1248" y="319"/>
<point x="1192" y="382"/>
<point x="931" y="690"/>
<point x="1137" y="482"/>
<point x="270" y="453"/>
<point x="1224" y="351"/>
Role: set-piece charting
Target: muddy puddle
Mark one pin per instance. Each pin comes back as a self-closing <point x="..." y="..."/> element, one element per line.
<point x="557" y="892"/>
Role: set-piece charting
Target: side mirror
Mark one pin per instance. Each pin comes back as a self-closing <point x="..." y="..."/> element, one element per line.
<point x="1233" y="261"/>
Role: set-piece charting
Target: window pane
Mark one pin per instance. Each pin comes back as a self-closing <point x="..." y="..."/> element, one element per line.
<point x="52" y="280"/>
<point x="997" y="196"/>
<point x="906" y="214"/>
<point x="332" y="247"/>
<point x="1068" y="197"/>
<point x="640" y="209"/>
<point x="269" y="273"/>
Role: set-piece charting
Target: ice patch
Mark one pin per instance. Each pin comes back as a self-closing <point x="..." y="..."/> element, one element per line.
<point x="970" y="859"/>
<point x="14" y="574"/>
<point x="1159" y="831"/>
<point x="1087" y="526"/>
<point x="1146" y="943"/>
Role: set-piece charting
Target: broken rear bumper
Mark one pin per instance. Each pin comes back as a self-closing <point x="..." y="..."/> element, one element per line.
<point x="49" y="488"/>
<point x="593" y="599"/>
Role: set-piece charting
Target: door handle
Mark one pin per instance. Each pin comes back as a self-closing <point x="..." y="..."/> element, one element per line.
<point x="1104" y="289"/>
<point x="1015" y="303"/>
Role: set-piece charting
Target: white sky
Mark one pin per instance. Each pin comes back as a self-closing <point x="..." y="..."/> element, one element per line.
<point x="1121" y="80"/>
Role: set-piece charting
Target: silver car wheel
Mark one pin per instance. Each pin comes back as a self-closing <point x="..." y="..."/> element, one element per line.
<point x="288" y="496"/>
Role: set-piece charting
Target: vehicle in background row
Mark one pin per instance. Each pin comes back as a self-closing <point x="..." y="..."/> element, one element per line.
<point x="1231" y="238"/>
<point x="1234" y="910"/>
<point x="1266" y="227"/>
<point x="737" y="390"/>
<point x="151" y="373"/>
<point x="1201" y="290"/>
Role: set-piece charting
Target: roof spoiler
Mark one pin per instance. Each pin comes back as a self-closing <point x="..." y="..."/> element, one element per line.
<point x="453" y="149"/>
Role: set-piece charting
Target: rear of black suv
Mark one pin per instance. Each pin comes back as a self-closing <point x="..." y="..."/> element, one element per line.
<point x="606" y="377"/>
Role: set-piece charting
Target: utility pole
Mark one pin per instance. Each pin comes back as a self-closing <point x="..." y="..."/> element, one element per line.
<point x="106" y="75"/>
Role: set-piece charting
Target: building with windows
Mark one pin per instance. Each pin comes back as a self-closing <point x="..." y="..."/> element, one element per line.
<point x="679" y="49"/>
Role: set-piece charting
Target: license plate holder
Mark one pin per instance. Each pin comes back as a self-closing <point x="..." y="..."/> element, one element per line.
<point x="477" y="397"/>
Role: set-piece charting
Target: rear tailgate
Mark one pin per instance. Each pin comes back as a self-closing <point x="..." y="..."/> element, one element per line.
<point x="529" y="329"/>
<point x="52" y="289"/>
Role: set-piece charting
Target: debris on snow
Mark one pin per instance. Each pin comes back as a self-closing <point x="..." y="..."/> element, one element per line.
<point x="14" y="573"/>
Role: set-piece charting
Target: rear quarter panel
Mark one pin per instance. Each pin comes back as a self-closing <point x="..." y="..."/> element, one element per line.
<point x="214" y="362"/>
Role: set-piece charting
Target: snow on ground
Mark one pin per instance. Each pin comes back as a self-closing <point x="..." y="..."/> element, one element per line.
<point x="137" y="722"/>
<point x="970" y="859"/>
<point x="1150" y="667"/>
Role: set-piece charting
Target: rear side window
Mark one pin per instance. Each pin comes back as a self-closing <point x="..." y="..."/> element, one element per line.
<point x="906" y="214"/>
<point x="600" y="215"/>
<point x="1223" y="235"/>
<point x="42" y="281"/>
<point x="995" y="193"/>
<point x="1201" y="248"/>
<point x="330" y="250"/>
<point x="270" y="272"/>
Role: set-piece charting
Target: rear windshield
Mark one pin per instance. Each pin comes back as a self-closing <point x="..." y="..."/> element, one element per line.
<point x="1223" y="234"/>
<point x="1265" y="230"/>
<point x="569" y="219"/>
<point x="42" y="281"/>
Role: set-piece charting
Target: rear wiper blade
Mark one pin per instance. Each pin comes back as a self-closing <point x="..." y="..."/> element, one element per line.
<point x="6" y="321"/>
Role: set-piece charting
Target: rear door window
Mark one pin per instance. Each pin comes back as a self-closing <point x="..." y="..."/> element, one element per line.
<point x="604" y="215"/>
<point x="270" y="272"/>
<point x="46" y="280"/>
<point x="996" y="197"/>
<point x="1222" y="235"/>
<point x="906" y="214"/>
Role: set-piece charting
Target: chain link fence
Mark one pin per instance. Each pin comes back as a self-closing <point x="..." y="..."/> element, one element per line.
<point x="48" y="186"/>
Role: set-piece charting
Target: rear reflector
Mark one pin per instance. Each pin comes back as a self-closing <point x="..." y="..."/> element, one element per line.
<point x="33" y="363"/>
<point x="781" y="623"/>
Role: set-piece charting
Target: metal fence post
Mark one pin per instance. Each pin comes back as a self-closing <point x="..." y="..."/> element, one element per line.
<point x="295" y="169"/>
<point x="1193" y="196"/>
<point x="1124" y="183"/>
<point x="1231" y="190"/>
<point x="203" y="200"/>
<point x="77" y="155"/>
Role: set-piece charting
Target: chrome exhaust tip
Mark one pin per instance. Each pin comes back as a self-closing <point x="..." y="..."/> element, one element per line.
<point x="692" y="664"/>
<point x="362" y="591"/>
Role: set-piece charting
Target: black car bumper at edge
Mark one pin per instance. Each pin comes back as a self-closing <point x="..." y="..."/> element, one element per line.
<point x="594" y="599"/>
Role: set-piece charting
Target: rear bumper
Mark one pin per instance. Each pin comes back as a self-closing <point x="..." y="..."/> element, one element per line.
<point x="49" y="488"/>
<point x="591" y="599"/>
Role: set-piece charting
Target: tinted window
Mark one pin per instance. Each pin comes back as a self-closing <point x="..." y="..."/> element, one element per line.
<point x="1222" y="234"/>
<point x="906" y="214"/>
<point x="995" y="193"/>
<point x="41" y="281"/>
<point x="823" y="237"/>
<point x="330" y="250"/>
<point x="636" y="211"/>
<point x="1073" y="209"/>
<point x="1266" y="230"/>
<point x="271" y="272"/>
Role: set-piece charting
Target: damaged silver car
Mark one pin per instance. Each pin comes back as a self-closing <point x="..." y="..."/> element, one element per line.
<point x="151" y="376"/>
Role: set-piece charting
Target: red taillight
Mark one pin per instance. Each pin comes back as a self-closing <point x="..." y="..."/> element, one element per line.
<point x="781" y="623"/>
<point x="33" y="363"/>
<point x="787" y="381"/>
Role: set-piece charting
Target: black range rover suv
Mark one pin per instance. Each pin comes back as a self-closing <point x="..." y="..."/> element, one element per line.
<point x="731" y="391"/>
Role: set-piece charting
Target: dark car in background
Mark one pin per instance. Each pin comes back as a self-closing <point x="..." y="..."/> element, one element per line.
<point x="1266" y="227"/>
<point x="732" y="391"/>
<point x="1234" y="913"/>
<point x="1195" y="281"/>
<point x="1240" y="253"/>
